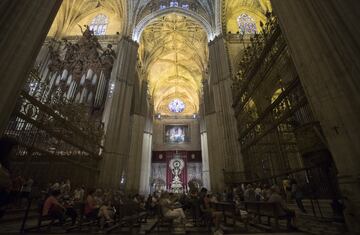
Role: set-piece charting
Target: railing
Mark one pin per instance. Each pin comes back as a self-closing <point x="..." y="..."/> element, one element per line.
<point x="53" y="131"/>
<point x="274" y="115"/>
<point x="273" y="130"/>
<point x="32" y="118"/>
<point x="315" y="183"/>
<point x="259" y="57"/>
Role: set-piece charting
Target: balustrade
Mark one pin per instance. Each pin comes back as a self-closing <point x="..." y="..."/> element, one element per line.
<point x="269" y="134"/>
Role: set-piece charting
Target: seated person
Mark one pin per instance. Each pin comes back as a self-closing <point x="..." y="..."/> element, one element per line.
<point x="210" y="212"/>
<point x="249" y="193"/>
<point x="169" y="211"/>
<point x="91" y="209"/>
<point x="282" y="207"/>
<point x="151" y="203"/>
<point x="70" y="211"/>
<point x="140" y="202"/>
<point x="53" y="208"/>
<point x="106" y="211"/>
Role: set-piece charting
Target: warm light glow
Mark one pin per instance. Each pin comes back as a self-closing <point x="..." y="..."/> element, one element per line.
<point x="254" y="9"/>
<point x="174" y="51"/>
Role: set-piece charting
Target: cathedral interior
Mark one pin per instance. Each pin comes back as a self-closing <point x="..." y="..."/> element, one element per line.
<point x="180" y="116"/>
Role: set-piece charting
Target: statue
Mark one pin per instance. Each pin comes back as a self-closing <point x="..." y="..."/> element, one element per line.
<point x="108" y="57"/>
<point x="55" y="61"/>
<point x="88" y="32"/>
<point x="176" y="165"/>
<point x="71" y="52"/>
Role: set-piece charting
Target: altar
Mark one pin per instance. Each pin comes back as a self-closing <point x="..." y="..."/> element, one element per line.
<point x="173" y="170"/>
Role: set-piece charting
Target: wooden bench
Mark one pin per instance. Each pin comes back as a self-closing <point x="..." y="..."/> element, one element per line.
<point x="128" y="216"/>
<point x="265" y="209"/>
<point x="163" y="221"/>
<point x="83" y="221"/>
<point x="41" y="219"/>
<point x="230" y="210"/>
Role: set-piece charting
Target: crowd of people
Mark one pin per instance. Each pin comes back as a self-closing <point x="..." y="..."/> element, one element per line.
<point x="263" y="192"/>
<point x="61" y="201"/>
<point x="16" y="192"/>
<point x="271" y="194"/>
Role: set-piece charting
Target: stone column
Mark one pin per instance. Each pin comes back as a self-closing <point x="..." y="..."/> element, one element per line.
<point x="24" y="26"/>
<point x="138" y="117"/>
<point x="133" y="170"/>
<point x="214" y="141"/>
<point x="146" y="157"/>
<point x="204" y="150"/>
<point x="324" y="38"/>
<point x="118" y="122"/>
<point x="224" y="125"/>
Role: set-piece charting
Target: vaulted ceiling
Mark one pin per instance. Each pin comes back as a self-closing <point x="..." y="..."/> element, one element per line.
<point x="173" y="51"/>
<point x="173" y="48"/>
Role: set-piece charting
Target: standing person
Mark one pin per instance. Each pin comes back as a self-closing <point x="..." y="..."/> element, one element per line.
<point x="298" y="195"/>
<point x="258" y="193"/>
<point x="224" y="196"/>
<point x="16" y="185"/>
<point x="239" y="193"/>
<point x="26" y="189"/>
<point x="287" y="188"/>
<point x="282" y="208"/>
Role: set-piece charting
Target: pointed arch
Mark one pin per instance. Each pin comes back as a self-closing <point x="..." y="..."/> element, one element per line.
<point x="139" y="28"/>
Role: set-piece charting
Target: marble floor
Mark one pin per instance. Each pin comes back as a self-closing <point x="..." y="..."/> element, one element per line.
<point x="14" y="228"/>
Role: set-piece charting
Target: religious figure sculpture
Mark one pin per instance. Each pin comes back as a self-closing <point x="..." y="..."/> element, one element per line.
<point x="176" y="165"/>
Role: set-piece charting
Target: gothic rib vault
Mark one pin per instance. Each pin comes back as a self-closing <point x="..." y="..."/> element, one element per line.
<point x="173" y="51"/>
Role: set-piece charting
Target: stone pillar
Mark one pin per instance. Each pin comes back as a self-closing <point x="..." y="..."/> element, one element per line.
<point x="138" y="117"/>
<point x="324" y="38"/>
<point x="214" y="142"/>
<point x="24" y="26"/>
<point x="204" y="150"/>
<point x="146" y="157"/>
<point x="118" y="120"/>
<point x="133" y="170"/>
<point x="224" y="122"/>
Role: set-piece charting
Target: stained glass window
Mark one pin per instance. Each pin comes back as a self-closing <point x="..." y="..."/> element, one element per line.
<point x="185" y="6"/>
<point x="174" y="4"/>
<point x="99" y="24"/>
<point x="176" y="106"/>
<point x="247" y="25"/>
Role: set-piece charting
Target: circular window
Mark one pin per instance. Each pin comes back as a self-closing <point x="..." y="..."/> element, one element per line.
<point x="176" y="106"/>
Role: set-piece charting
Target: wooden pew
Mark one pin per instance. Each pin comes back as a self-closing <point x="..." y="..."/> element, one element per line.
<point x="83" y="221"/>
<point x="128" y="216"/>
<point x="265" y="209"/>
<point x="162" y="221"/>
<point x="49" y="222"/>
<point x="230" y="210"/>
